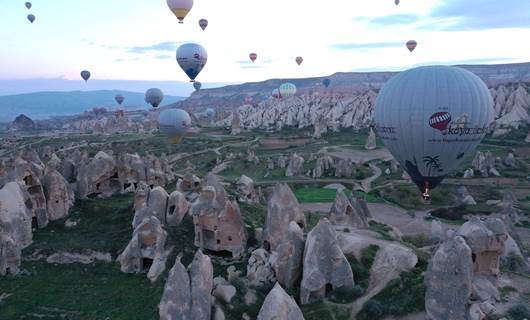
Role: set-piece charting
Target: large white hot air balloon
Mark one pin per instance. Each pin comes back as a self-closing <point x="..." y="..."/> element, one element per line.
<point x="180" y="8"/>
<point x="154" y="97"/>
<point x="174" y="123"/>
<point x="430" y="118"/>
<point x="287" y="90"/>
<point x="192" y="58"/>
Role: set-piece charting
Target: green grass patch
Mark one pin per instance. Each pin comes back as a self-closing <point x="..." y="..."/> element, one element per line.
<point x="312" y="194"/>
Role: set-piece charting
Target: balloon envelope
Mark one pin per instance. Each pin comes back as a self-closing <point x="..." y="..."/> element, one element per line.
<point x="31" y="18"/>
<point x="396" y="2"/>
<point x="180" y="8"/>
<point x="28" y="5"/>
<point x="276" y="93"/>
<point x="249" y="99"/>
<point x="192" y="58"/>
<point x="154" y="97"/>
<point x="253" y="56"/>
<point x="197" y="85"/>
<point x="210" y="112"/>
<point x="174" y="123"/>
<point x="287" y="90"/>
<point x="85" y="75"/>
<point x="203" y="23"/>
<point x="411" y="45"/>
<point x="326" y="82"/>
<point x="430" y="118"/>
<point x="299" y="60"/>
<point x="119" y="98"/>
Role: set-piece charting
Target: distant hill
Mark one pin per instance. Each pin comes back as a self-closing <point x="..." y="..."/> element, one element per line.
<point x="42" y="105"/>
<point x="347" y="83"/>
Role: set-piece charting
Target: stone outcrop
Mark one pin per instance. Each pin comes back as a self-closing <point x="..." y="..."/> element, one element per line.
<point x="246" y="191"/>
<point x="218" y="222"/>
<point x="295" y="167"/>
<point x="485" y="164"/>
<point x="259" y="269"/>
<point x="349" y="212"/>
<point x="59" y="197"/>
<point x="371" y="141"/>
<point x="279" y="305"/>
<point x="177" y="207"/>
<point x="282" y="208"/>
<point x="146" y="250"/>
<point x="463" y="196"/>
<point x="10" y="255"/>
<point x="286" y="259"/>
<point x="324" y="264"/>
<point x="15" y="216"/>
<point x="448" y="281"/>
<point x="187" y="293"/>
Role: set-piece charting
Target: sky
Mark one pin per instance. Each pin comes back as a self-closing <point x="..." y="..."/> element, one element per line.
<point x="130" y="43"/>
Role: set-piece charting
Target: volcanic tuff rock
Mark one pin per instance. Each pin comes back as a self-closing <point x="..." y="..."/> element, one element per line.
<point x="349" y="212"/>
<point x="286" y="259"/>
<point x="22" y="122"/>
<point x="259" y="269"/>
<point x="295" y="167"/>
<point x="187" y="294"/>
<point x="15" y="216"/>
<point x="10" y="253"/>
<point x="448" y="281"/>
<point x="370" y="141"/>
<point x="282" y="208"/>
<point x="279" y="305"/>
<point x="59" y="198"/>
<point x="324" y="263"/>
<point x="246" y="191"/>
<point x="146" y="250"/>
<point x="177" y="207"/>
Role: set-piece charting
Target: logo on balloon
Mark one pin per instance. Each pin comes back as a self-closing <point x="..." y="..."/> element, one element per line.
<point x="197" y="56"/>
<point x="440" y="120"/>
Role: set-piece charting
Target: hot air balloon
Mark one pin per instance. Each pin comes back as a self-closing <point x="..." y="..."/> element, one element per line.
<point x="253" y="56"/>
<point x="197" y="85"/>
<point x="85" y="75"/>
<point x="180" y="8"/>
<point x="287" y="90"/>
<point x="31" y="18"/>
<point x="430" y="118"/>
<point x="174" y="123"/>
<point x="249" y="100"/>
<point x="326" y="82"/>
<point x="276" y="93"/>
<point x="203" y="23"/>
<point x="192" y="58"/>
<point x="299" y="60"/>
<point x="154" y="96"/>
<point x="396" y="2"/>
<point x="28" y="5"/>
<point x="119" y="99"/>
<point x="411" y="45"/>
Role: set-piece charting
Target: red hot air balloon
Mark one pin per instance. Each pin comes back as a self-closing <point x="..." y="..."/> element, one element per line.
<point x="253" y="56"/>
<point x="203" y="23"/>
<point x="411" y="45"/>
<point x="299" y="60"/>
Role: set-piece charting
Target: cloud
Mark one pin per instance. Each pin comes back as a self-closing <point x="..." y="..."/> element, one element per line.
<point x="252" y="67"/>
<point x="164" y="57"/>
<point x="249" y="62"/>
<point x="481" y="14"/>
<point x="396" y="19"/>
<point x="163" y="46"/>
<point x="361" y="46"/>
<point x="467" y="61"/>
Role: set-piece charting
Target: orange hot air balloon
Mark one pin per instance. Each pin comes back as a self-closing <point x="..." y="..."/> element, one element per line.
<point x="411" y="45"/>
<point x="253" y="56"/>
<point x="299" y="60"/>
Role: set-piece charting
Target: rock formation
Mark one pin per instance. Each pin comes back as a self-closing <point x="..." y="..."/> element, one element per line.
<point x="15" y="216"/>
<point x="448" y="281"/>
<point x="10" y="255"/>
<point x="236" y="124"/>
<point x="245" y="190"/>
<point x="218" y="222"/>
<point x="279" y="305"/>
<point x="59" y="198"/>
<point x="370" y="141"/>
<point x="259" y="269"/>
<point x="22" y="122"/>
<point x="188" y="296"/>
<point x="349" y="212"/>
<point x="295" y="167"/>
<point x="286" y="259"/>
<point x="146" y="250"/>
<point x="177" y="207"/>
<point x="282" y="208"/>
<point x="463" y="196"/>
<point x="324" y="264"/>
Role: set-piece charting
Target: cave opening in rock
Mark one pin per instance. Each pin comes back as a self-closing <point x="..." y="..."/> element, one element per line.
<point x="146" y="264"/>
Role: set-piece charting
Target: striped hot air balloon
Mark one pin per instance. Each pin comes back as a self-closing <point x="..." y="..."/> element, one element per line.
<point x="253" y="56"/>
<point x="411" y="45"/>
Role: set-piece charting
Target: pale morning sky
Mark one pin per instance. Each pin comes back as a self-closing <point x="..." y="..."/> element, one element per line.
<point x="136" y="39"/>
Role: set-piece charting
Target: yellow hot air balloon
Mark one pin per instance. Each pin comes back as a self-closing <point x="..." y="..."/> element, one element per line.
<point x="180" y="8"/>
